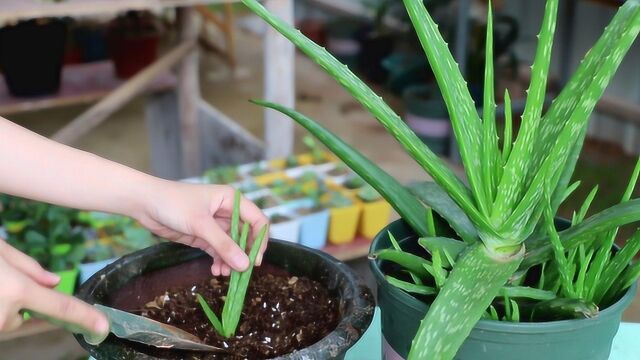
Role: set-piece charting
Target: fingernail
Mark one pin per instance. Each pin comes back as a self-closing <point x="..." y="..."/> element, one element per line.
<point x="102" y="326"/>
<point x="241" y="262"/>
<point x="259" y="260"/>
<point x="53" y="278"/>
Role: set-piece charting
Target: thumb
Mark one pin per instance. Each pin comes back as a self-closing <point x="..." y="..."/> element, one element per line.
<point x="208" y="229"/>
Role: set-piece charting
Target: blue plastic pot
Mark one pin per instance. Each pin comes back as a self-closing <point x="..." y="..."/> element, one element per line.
<point x="313" y="229"/>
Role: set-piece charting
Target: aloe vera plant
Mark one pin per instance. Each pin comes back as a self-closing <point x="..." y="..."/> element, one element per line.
<point x="499" y="214"/>
<point x="227" y="323"/>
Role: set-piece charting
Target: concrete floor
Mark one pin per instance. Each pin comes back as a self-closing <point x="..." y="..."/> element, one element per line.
<point x="123" y="138"/>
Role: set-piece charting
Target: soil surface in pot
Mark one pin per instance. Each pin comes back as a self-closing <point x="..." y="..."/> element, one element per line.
<point x="282" y="313"/>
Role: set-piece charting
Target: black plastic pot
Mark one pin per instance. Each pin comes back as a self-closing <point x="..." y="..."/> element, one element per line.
<point x="344" y="40"/>
<point x="427" y="115"/>
<point x="374" y="49"/>
<point x="146" y="273"/>
<point x="491" y="340"/>
<point x="31" y="56"/>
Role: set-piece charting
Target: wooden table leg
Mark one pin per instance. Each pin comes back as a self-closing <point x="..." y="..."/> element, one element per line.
<point x="279" y="72"/>
<point x="189" y="95"/>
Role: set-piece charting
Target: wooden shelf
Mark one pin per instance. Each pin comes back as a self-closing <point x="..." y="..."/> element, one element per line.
<point x="359" y="248"/>
<point x="80" y="84"/>
<point x="29" y="328"/>
<point x="14" y="10"/>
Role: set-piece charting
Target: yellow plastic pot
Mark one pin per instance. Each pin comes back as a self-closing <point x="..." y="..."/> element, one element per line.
<point x="266" y="179"/>
<point x="343" y="224"/>
<point x="375" y="216"/>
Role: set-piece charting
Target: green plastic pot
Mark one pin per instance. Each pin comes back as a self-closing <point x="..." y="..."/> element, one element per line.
<point x="68" y="279"/>
<point x="492" y="340"/>
<point x="426" y="114"/>
<point x="135" y="279"/>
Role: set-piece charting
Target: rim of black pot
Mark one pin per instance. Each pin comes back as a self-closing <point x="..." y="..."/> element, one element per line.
<point x="495" y="325"/>
<point x="354" y="322"/>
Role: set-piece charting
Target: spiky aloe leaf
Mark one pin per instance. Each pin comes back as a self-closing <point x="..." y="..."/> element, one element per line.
<point x="508" y="131"/>
<point x="471" y="286"/>
<point x="443" y="245"/>
<point x="526" y="292"/>
<point x="409" y="208"/>
<point x="575" y="124"/>
<point x="490" y="152"/>
<point x="615" y="216"/>
<point x="617" y="265"/>
<point x="464" y="116"/>
<point x="432" y="194"/>
<point x="379" y="109"/>
<point x="572" y="94"/>
<point x="517" y="169"/>
<point x="403" y="200"/>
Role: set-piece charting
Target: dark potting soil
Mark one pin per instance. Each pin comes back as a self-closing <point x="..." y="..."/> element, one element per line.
<point x="282" y="313"/>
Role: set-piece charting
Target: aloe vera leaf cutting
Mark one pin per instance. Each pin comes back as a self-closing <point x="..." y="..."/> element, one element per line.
<point x="503" y="200"/>
<point x="228" y="321"/>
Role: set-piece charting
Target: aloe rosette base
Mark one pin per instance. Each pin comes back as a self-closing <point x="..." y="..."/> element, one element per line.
<point x="498" y="215"/>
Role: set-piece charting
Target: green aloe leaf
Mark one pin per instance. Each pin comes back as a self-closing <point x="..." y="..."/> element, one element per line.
<point x="469" y="290"/>
<point x="625" y="21"/>
<point x="615" y="216"/>
<point x="378" y="108"/>
<point x="490" y="152"/>
<point x="411" y="210"/>
<point x="408" y="261"/>
<point x="517" y="169"/>
<point x="433" y="195"/>
<point x="411" y="288"/>
<point x="462" y="110"/>
<point x="526" y="292"/>
<point x="443" y="245"/>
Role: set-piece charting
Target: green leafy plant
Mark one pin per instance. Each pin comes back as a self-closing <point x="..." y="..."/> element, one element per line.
<point x="498" y="215"/>
<point x="335" y="199"/>
<point x="291" y="161"/>
<point x="354" y="182"/>
<point x="368" y="194"/>
<point x="49" y="234"/>
<point x="317" y="153"/>
<point x="222" y="175"/>
<point x="227" y="323"/>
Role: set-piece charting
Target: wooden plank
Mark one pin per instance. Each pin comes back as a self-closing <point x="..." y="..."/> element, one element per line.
<point x="14" y="10"/>
<point x="223" y="141"/>
<point x="279" y="85"/>
<point x="621" y="109"/>
<point x="355" y="9"/>
<point x="163" y="127"/>
<point x="29" y="328"/>
<point x="112" y="102"/>
<point x="80" y="84"/>
<point x="189" y="94"/>
<point x="357" y="249"/>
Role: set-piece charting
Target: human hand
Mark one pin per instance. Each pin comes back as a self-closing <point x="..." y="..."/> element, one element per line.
<point x="27" y="286"/>
<point x="200" y="216"/>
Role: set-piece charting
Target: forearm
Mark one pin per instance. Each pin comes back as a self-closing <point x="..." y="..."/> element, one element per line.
<point x="37" y="168"/>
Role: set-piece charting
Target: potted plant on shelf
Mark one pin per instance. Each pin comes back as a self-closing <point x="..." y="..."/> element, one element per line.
<point x="133" y="42"/>
<point x="426" y="114"/>
<point x="376" y="212"/>
<point x="46" y="233"/>
<point x="344" y="216"/>
<point x="303" y="304"/>
<point x="31" y="56"/>
<point x="497" y="228"/>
